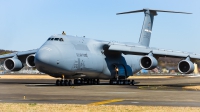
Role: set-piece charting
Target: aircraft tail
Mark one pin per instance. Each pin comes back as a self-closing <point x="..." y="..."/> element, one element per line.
<point x="148" y="23"/>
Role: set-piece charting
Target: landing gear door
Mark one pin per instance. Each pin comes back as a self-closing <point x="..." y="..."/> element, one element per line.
<point x="129" y="71"/>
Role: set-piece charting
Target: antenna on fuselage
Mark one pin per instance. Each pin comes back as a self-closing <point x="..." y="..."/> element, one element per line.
<point x="148" y="23"/>
<point x="63" y="33"/>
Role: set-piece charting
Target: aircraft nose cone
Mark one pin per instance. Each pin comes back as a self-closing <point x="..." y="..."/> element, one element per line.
<point x="46" y="58"/>
<point x="42" y="57"/>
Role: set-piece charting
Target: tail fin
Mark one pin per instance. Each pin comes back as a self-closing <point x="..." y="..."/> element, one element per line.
<point x="148" y="23"/>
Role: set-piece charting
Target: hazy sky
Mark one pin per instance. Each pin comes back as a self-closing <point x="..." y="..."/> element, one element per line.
<point x="26" y="24"/>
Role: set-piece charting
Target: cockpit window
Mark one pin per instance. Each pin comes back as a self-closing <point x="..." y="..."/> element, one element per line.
<point x="56" y="39"/>
<point x="61" y="39"/>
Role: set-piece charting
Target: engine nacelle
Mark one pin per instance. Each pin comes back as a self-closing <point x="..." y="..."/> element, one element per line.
<point x="186" y="67"/>
<point x="148" y="62"/>
<point x="30" y="60"/>
<point x="13" y="64"/>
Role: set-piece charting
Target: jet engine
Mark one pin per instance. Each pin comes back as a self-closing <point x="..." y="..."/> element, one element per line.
<point x="13" y="64"/>
<point x="30" y="60"/>
<point x="185" y="66"/>
<point x="148" y="62"/>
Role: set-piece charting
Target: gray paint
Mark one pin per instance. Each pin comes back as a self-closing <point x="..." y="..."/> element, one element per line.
<point x="148" y="23"/>
<point x="93" y="62"/>
<point x="80" y="57"/>
<point x="146" y="28"/>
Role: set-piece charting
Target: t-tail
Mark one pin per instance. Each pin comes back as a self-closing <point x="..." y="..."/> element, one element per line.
<point x="145" y="35"/>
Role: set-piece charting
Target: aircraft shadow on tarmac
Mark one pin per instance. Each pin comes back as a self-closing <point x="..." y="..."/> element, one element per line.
<point x="43" y="83"/>
<point x="167" y="87"/>
<point x="24" y="83"/>
<point x="47" y="83"/>
<point x="52" y="84"/>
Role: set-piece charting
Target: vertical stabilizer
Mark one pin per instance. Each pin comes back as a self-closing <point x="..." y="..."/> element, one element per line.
<point x="149" y="14"/>
<point x="147" y="27"/>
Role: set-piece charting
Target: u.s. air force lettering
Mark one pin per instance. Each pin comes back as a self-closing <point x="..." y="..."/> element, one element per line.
<point x="81" y="55"/>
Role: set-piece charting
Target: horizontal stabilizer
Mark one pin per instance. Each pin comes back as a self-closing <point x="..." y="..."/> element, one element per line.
<point x="148" y="23"/>
<point x="152" y="11"/>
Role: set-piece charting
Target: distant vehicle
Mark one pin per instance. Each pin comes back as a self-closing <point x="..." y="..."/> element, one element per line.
<point x="87" y="60"/>
<point x="143" y="71"/>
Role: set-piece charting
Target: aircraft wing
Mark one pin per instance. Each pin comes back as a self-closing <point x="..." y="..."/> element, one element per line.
<point x="20" y="53"/>
<point x="141" y="50"/>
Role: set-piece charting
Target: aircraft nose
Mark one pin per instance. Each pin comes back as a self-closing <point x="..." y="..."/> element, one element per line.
<point x="46" y="58"/>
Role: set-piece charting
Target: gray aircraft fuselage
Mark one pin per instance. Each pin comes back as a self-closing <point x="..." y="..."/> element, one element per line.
<point x="80" y="57"/>
<point x="88" y="60"/>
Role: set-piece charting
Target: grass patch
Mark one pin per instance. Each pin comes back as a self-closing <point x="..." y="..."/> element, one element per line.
<point x="192" y="87"/>
<point x="33" y="107"/>
<point x="32" y="104"/>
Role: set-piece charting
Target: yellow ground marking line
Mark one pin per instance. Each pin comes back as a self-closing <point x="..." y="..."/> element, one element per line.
<point x="106" y="102"/>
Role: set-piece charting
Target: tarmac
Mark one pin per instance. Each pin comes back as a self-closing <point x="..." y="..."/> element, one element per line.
<point x="146" y="92"/>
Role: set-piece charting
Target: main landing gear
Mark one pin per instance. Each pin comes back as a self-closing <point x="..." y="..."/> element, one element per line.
<point x="121" y="82"/>
<point x="82" y="81"/>
<point x="63" y="82"/>
<point x="87" y="81"/>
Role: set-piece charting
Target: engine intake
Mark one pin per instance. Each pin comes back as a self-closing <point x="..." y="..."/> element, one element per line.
<point x="13" y="64"/>
<point x="148" y="62"/>
<point x="30" y="60"/>
<point x="186" y="67"/>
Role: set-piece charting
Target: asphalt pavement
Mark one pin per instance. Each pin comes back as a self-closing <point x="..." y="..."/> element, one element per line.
<point x="150" y="92"/>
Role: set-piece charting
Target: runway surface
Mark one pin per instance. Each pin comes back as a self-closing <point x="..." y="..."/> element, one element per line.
<point x="151" y="92"/>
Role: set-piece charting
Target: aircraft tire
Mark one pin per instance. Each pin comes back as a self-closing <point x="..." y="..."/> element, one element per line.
<point x="94" y="81"/>
<point x="57" y="82"/>
<point x="128" y="82"/>
<point x="89" y="81"/>
<point x="98" y="81"/>
<point x="75" y="81"/>
<point x="61" y="83"/>
<point x="70" y="82"/>
<point x="110" y="82"/>
<point x="124" y="82"/>
<point x="118" y="82"/>
<point x="82" y="81"/>
<point x="79" y="81"/>
<point x="114" y="82"/>
<point x="65" y="82"/>
<point x="132" y="82"/>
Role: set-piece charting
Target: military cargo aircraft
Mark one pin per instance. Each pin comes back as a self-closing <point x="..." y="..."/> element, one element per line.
<point x="81" y="60"/>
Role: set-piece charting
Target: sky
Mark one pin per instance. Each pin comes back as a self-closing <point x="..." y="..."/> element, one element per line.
<point x="27" y="24"/>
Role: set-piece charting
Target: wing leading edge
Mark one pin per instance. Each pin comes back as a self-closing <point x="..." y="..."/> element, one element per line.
<point x="141" y="50"/>
<point x="20" y="53"/>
